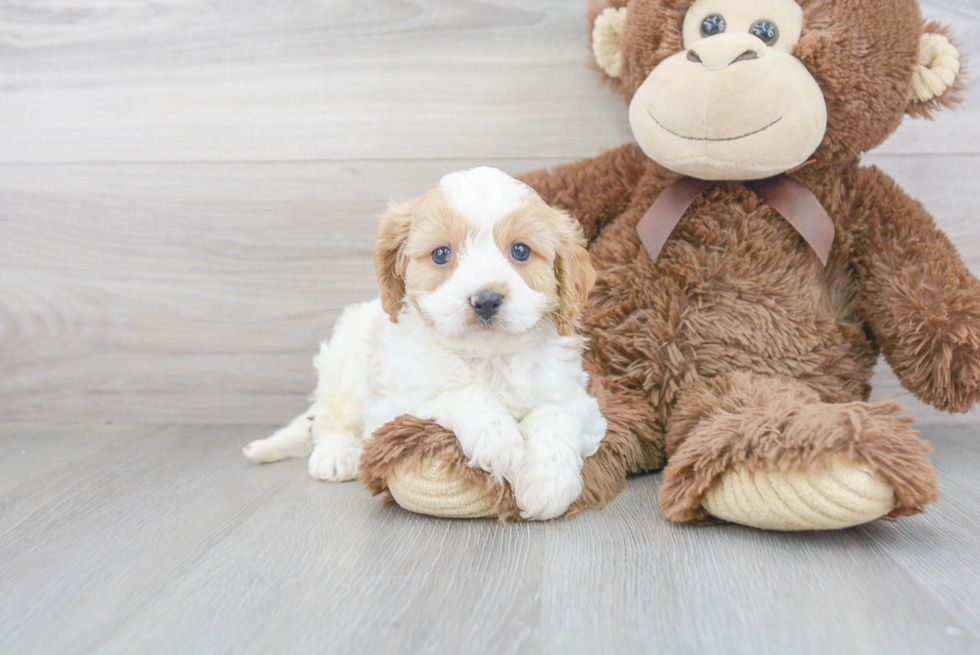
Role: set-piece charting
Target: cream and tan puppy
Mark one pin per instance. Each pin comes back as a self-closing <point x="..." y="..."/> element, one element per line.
<point x="481" y="285"/>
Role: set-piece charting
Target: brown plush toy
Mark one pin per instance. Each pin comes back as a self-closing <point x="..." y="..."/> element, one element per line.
<point x="723" y="348"/>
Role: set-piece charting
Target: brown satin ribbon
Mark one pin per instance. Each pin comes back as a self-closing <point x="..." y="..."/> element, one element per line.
<point x="792" y="200"/>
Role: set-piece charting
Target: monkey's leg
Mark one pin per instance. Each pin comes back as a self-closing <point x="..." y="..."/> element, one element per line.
<point x="766" y="452"/>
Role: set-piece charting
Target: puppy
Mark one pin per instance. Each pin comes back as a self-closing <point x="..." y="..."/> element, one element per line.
<point x="481" y="286"/>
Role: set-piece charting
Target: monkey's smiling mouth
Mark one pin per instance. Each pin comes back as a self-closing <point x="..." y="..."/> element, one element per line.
<point x="696" y="138"/>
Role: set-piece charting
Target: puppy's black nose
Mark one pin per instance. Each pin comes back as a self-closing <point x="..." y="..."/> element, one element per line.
<point x="486" y="304"/>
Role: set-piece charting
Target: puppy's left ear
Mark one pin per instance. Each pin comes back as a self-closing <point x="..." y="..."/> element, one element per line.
<point x="389" y="260"/>
<point x="576" y="277"/>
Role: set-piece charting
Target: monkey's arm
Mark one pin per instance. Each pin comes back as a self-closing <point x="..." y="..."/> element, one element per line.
<point x="921" y="301"/>
<point x="592" y="190"/>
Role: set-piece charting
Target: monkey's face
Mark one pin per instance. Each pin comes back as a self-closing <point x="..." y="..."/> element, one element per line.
<point x="728" y="89"/>
<point x="734" y="103"/>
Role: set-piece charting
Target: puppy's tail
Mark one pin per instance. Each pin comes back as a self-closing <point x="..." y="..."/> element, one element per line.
<point x="294" y="440"/>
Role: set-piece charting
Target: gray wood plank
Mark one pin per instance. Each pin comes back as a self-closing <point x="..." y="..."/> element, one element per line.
<point x="231" y="80"/>
<point x="249" y="80"/>
<point x="177" y="544"/>
<point x="102" y="536"/>
<point x="36" y="450"/>
<point x="939" y="549"/>
<point x="351" y="577"/>
<point x="696" y="588"/>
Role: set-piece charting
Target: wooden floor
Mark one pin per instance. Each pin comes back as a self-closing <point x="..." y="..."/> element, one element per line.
<point x="129" y="539"/>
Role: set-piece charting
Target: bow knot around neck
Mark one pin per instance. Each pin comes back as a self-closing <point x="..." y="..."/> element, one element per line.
<point x="792" y="200"/>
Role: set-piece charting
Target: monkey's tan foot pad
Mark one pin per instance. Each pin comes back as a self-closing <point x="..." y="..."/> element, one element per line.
<point x="421" y="466"/>
<point x="837" y="495"/>
<point x="434" y="488"/>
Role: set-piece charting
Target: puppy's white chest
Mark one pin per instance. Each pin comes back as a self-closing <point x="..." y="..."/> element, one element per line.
<point x="512" y="380"/>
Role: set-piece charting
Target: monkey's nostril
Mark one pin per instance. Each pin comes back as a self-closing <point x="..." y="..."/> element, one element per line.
<point x="693" y="56"/>
<point x="748" y="55"/>
<point x="486" y="304"/>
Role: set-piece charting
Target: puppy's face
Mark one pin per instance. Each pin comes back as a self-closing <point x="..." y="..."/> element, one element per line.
<point x="481" y="255"/>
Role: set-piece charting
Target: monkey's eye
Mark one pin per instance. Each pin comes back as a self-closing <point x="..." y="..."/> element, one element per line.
<point x="520" y="252"/>
<point x="765" y="30"/>
<point x="713" y="24"/>
<point x="441" y="255"/>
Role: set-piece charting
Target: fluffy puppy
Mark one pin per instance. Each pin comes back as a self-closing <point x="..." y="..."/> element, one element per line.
<point x="481" y="286"/>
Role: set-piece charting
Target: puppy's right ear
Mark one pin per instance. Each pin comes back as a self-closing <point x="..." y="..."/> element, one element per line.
<point x="389" y="258"/>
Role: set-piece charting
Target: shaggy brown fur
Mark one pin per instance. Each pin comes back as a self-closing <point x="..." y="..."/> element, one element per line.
<point x="780" y="424"/>
<point x="736" y="347"/>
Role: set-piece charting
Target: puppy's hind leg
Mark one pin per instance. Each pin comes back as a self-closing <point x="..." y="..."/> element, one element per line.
<point x="338" y="445"/>
<point x="294" y="440"/>
<point x="344" y="366"/>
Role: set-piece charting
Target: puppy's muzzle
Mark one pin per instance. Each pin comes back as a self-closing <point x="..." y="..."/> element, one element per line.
<point x="486" y="304"/>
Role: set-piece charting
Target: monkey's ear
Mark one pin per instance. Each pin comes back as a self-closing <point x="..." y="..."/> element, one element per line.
<point x="607" y="33"/>
<point x="389" y="260"/>
<point x="936" y="79"/>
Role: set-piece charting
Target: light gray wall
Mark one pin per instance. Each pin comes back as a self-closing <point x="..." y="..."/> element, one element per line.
<point x="188" y="188"/>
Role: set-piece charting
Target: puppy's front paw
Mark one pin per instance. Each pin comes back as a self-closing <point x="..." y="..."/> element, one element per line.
<point x="497" y="448"/>
<point x="335" y="462"/>
<point x="549" y="480"/>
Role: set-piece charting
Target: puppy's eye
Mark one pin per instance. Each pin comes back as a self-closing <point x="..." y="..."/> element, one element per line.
<point x="713" y="24"/>
<point x="441" y="255"/>
<point x="765" y="30"/>
<point x="520" y="252"/>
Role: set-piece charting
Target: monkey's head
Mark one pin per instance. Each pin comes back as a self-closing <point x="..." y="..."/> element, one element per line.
<point x="749" y="89"/>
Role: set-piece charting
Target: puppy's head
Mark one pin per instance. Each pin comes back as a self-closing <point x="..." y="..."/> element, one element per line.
<point x="480" y="254"/>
